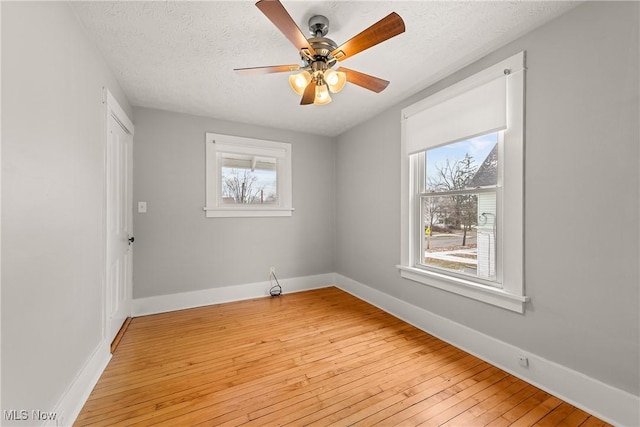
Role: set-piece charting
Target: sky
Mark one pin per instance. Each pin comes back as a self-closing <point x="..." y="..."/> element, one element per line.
<point x="478" y="148"/>
<point x="266" y="179"/>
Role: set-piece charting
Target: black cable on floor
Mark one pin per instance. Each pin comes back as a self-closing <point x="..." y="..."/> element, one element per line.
<point x="276" y="290"/>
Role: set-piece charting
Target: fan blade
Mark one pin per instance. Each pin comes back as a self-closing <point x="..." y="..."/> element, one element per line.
<point x="275" y="11"/>
<point x="387" y="27"/>
<point x="267" y="70"/>
<point x="365" y="80"/>
<point x="309" y="93"/>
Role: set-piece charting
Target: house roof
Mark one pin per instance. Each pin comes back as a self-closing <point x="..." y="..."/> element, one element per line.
<point x="487" y="173"/>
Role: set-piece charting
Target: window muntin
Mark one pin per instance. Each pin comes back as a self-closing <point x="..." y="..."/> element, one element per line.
<point x="458" y="208"/>
<point x="247" y="177"/>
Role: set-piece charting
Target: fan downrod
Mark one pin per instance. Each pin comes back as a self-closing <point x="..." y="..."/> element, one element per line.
<point x="318" y="25"/>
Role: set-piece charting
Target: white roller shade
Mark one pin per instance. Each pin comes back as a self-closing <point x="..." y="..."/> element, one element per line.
<point x="250" y="150"/>
<point x="247" y="162"/>
<point x="477" y="111"/>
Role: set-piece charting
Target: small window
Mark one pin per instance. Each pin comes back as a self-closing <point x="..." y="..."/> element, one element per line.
<point x="247" y="177"/>
<point x="462" y="187"/>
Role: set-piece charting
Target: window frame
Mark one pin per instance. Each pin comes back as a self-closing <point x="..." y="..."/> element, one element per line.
<point x="219" y="143"/>
<point x="509" y="193"/>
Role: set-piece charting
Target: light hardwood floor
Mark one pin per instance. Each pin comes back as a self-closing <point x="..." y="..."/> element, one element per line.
<point x="319" y="357"/>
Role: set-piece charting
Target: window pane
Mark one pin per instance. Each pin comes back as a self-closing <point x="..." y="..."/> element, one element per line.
<point x="460" y="228"/>
<point x="460" y="233"/>
<point x="465" y="164"/>
<point x="248" y="179"/>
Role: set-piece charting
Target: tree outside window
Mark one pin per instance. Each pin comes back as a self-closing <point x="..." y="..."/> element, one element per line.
<point x="247" y="186"/>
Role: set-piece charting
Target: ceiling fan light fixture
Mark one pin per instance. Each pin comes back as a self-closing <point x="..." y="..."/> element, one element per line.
<point x="335" y="80"/>
<point x="299" y="81"/>
<point x="322" y="95"/>
<point x="319" y="54"/>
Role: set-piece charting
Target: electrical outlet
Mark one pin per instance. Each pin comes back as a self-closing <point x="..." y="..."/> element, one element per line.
<point x="272" y="270"/>
<point x="523" y="361"/>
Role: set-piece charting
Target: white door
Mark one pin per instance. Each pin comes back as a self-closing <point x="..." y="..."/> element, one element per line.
<point x="119" y="155"/>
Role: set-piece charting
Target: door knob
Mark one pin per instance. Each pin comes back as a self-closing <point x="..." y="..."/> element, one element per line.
<point x="132" y="239"/>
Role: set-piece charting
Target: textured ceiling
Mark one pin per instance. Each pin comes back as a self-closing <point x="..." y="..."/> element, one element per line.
<point x="180" y="55"/>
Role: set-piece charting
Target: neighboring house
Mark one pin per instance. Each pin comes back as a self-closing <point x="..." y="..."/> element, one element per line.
<point x="486" y="176"/>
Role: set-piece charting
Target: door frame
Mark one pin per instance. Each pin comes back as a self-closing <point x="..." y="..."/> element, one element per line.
<point x="112" y="109"/>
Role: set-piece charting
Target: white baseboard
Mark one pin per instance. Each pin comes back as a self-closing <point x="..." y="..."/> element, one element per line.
<point x="613" y="405"/>
<point x="181" y="301"/>
<point x="72" y="401"/>
<point x="608" y="403"/>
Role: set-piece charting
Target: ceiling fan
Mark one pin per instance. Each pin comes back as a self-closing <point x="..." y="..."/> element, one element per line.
<point x="319" y="54"/>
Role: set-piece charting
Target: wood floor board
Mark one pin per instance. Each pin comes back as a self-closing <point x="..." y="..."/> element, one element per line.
<point x="480" y="402"/>
<point x="378" y="362"/>
<point x="353" y="378"/>
<point x="538" y="412"/>
<point x="255" y="354"/>
<point x="267" y="367"/>
<point x="556" y="416"/>
<point x="397" y="371"/>
<point x="337" y="381"/>
<point x="593" y="422"/>
<point x="425" y="386"/>
<point x="521" y="408"/>
<point x="491" y="409"/>
<point x="320" y="357"/>
<point x="444" y="404"/>
<point x="576" y="417"/>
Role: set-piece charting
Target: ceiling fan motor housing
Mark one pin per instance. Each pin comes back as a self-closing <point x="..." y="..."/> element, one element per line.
<point x="323" y="46"/>
<point x="319" y="27"/>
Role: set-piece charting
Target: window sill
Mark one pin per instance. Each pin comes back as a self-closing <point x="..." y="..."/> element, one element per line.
<point x="246" y="213"/>
<point x="467" y="288"/>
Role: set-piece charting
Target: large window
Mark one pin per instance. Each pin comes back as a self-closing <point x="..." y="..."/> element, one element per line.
<point x="247" y="177"/>
<point x="462" y="180"/>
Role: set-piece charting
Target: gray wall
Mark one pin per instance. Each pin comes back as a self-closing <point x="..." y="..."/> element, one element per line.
<point x="581" y="199"/>
<point x="177" y="249"/>
<point x="52" y="201"/>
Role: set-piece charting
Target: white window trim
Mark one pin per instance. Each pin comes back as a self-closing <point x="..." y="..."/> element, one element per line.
<point x="512" y="294"/>
<point x="215" y="143"/>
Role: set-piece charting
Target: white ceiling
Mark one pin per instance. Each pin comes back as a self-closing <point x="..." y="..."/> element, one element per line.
<point x="180" y="55"/>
